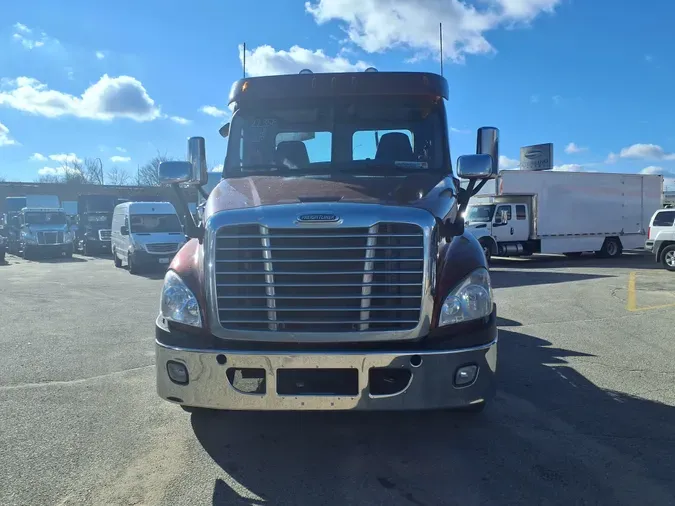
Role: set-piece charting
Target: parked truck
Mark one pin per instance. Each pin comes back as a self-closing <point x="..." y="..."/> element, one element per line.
<point x="94" y="218"/>
<point x="331" y="273"/>
<point x="43" y="230"/>
<point x="564" y="212"/>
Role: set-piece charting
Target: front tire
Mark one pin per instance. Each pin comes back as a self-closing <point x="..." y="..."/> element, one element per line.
<point x="487" y="250"/>
<point x="117" y="260"/>
<point x="133" y="268"/>
<point x="26" y="252"/>
<point x="668" y="258"/>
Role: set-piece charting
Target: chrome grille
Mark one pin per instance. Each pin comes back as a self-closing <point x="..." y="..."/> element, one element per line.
<point x="50" y="237"/>
<point x="320" y="279"/>
<point x="164" y="247"/>
<point x="104" y="235"/>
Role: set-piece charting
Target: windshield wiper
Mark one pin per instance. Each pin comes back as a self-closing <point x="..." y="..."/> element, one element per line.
<point x="271" y="169"/>
<point x="395" y="166"/>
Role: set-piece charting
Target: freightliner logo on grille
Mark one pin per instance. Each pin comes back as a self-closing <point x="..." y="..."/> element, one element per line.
<point x="318" y="217"/>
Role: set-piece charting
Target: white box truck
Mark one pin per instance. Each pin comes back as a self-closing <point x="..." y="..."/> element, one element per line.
<point x="564" y="212"/>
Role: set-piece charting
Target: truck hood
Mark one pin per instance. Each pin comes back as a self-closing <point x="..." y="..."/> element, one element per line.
<point x="254" y="191"/>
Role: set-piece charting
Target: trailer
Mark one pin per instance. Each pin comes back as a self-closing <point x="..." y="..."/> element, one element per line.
<point x="554" y="212"/>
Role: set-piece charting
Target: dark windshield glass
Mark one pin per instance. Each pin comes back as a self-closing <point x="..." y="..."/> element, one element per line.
<point x="480" y="213"/>
<point x="40" y="218"/>
<point x="375" y="135"/>
<point x="149" y="223"/>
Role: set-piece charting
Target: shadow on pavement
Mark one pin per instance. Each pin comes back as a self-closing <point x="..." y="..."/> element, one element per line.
<point x="57" y="260"/>
<point x="629" y="260"/>
<point x="517" y="277"/>
<point x="551" y="437"/>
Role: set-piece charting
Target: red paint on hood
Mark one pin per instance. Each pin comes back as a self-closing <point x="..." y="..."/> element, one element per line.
<point x="239" y="193"/>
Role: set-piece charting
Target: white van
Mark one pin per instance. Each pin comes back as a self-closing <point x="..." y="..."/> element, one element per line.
<point x="145" y="234"/>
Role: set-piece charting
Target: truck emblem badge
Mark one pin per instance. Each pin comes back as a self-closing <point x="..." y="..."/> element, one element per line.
<point x="322" y="217"/>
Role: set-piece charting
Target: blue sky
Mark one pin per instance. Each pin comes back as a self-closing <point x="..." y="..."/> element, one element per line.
<point x="122" y="80"/>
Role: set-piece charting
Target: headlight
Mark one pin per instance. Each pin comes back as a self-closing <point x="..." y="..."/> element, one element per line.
<point x="470" y="299"/>
<point x="28" y="237"/>
<point x="178" y="303"/>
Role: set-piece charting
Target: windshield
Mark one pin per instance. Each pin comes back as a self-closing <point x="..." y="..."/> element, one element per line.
<point x="481" y="214"/>
<point x="45" y="218"/>
<point x="151" y="223"/>
<point x="371" y="134"/>
<point x="98" y="218"/>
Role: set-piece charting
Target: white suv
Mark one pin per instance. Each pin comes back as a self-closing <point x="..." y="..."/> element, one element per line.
<point x="661" y="237"/>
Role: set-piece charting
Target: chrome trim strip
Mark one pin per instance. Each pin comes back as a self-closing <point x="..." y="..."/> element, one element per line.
<point x="398" y="353"/>
<point x="353" y="215"/>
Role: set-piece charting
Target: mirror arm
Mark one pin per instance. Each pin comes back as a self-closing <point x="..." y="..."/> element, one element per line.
<point x="203" y="193"/>
<point x="191" y="228"/>
<point x="465" y="195"/>
<point x="479" y="187"/>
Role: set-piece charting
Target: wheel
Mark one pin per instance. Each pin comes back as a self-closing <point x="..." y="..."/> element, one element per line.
<point x="2" y="257"/>
<point x="573" y="254"/>
<point x="85" y="249"/>
<point x="611" y="248"/>
<point x="25" y="253"/>
<point x="668" y="257"/>
<point x="68" y="253"/>
<point x="133" y="268"/>
<point x="487" y="250"/>
<point x="117" y="260"/>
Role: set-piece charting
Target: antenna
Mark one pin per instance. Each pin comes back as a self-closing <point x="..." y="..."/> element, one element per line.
<point x="440" y="37"/>
<point x="244" y="61"/>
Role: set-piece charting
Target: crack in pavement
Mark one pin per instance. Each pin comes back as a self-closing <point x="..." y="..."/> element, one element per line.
<point x="49" y="383"/>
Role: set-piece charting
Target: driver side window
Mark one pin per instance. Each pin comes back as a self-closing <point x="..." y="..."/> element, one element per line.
<point x="504" y="209"/>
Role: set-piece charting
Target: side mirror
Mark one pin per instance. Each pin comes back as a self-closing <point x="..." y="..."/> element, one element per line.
<point x="224" y="130"/>
<point x="498" y="219"/>
<point x="175" y="172"/>
<point x="478" y="166"/>
<point x="124" y="230"/>
<point x="197" y="157"/>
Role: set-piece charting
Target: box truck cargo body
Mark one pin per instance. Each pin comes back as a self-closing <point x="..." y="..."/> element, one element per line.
<point x="565" y="212"/>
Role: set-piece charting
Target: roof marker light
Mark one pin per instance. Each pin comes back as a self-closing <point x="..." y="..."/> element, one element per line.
<point x="305" y="71"/>
<point x="371" y="69"/>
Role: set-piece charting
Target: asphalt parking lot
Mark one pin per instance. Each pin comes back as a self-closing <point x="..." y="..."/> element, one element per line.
<point x="585" y="413"/>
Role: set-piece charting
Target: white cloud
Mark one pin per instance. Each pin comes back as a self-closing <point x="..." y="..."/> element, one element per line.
<point x="557" y="99"/>
<point x="121" y="150"/>
<point x="534" y="99"/>
<point x="459" y="130"/>
<point x="217" y="168"/>
<point x="28" y="39"/>
<point x="180" y="120"/>
<point x="120" y="159"/>
<point x="569" y="167"/>
<point x="508" y="163"/>
<point x="66" y="158"/>
<point x="668" y="176"/>
<point x="100" y="55"/>
<point x="212" y="110"/>
<point x="413" y="24"/>
<point x="5" y="139"/>
<point x="646" y="152"/>
<point x="107" y="99"/>
<point x="265" y="61"/>
<point x="653" y="169"/>
<point x="572" y="148"/>
<point x="38" y="157"/>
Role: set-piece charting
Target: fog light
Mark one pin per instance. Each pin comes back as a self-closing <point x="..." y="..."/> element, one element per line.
<point x="466" y="375"/>
<point x="177" y="372"/>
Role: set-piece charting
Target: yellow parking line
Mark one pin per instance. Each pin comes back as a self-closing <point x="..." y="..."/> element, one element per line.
<point x="631" y="302"/>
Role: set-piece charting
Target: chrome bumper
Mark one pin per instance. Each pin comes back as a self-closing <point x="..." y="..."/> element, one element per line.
<point x="431" y="385"/>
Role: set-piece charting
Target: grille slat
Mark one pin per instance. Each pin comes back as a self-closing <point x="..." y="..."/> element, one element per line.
<point x="330" y="279"/>
<point x="164" y="247"/>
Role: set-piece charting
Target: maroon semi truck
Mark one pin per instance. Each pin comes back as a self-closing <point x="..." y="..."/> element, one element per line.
<point x="331" y="270"/>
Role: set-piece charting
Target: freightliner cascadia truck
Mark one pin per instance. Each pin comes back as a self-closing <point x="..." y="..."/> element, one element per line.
<point x="331" y="270"/>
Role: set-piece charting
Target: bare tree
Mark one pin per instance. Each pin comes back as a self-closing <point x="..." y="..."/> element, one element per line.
<point x="148" y="174"/>
<point x="118" y="176"/>
<point x="93" y="171"/>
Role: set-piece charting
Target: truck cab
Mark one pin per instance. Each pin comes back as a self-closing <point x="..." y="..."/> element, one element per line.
<point x="661" y="237"/>
<point x="94" y="220"/>
<point x="44" y="230"/>
<point x="331" y="269"/>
